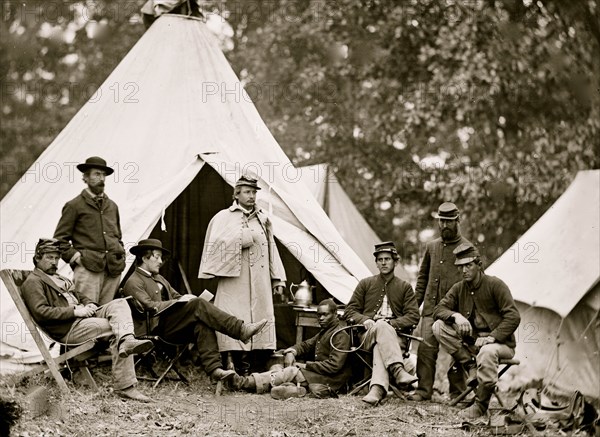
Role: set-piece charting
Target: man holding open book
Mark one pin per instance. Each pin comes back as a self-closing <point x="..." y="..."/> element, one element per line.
<point x="177" y="318"/>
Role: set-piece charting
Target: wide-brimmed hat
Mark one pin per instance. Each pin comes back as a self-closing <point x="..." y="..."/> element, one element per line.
<point x="248" y="182"/>
<point x="465" y="253"/>
<point x="446" y="211"/>
<point x="95" y="162"/>
<point x="148" y="244"/>
<point x="47" y="245"/>
<point x="387" y="246"/>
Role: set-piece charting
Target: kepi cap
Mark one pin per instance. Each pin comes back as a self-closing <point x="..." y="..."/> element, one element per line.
<point x="47" y="245"/>
<point x="387" y="246"/>
<point x="465" y="253"/>
<point x="447" y="211"/>
<point x="148" y="244"/>
<point x="95" y="162"/>
<point x="248" y="182"/>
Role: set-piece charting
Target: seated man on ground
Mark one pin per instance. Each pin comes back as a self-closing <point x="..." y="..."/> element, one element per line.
<point x="384" y="304"/>
<point x="69" y="317"/>
<point x="177" y="318"/>
<point x="476" y="321"/>
<point x="324" y="375"/>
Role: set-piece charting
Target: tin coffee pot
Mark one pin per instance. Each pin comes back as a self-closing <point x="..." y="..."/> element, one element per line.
<point x="303" y="294"/>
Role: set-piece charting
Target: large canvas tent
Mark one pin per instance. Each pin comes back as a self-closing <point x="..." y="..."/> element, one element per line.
<point x="553" y="271"/>
<point x="356" y="231"/>
<point x="179" y="134"/>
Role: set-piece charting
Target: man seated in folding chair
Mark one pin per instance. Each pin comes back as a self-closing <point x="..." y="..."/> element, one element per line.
<point x="384" y="304"/>
<point x="71" y="318"/>
<point x="476" y="321"/>
<point x="323" y="374"/>
<point x="180" y="318"/>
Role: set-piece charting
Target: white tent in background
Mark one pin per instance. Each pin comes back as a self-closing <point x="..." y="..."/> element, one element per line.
<point x="553" y="272"/>
<point x="356" y="231"/>
<point x="182" y="122"/>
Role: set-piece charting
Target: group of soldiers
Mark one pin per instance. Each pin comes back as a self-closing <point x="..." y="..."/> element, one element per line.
<point x="470" y="314"/>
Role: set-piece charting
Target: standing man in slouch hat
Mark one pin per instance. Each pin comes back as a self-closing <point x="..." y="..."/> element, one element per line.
<point x="436" y="275"/>
<point x="89" y="232"/>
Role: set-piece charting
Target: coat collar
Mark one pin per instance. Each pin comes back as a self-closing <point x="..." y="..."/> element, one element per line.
<point x="90" y="199"/>
<point x="46" y="278"/>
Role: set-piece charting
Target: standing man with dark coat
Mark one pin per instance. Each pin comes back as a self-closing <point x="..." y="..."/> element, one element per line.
<point x="89" y="231"/>
<point x="436" y="275"/>
<point x="384" y="304"/>
<point x="475" y="323"/>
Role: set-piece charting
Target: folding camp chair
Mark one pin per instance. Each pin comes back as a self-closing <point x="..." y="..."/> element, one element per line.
<point x="80" y="352"/>
<point x="163" y="350"/>
<point x="507" y="363"/>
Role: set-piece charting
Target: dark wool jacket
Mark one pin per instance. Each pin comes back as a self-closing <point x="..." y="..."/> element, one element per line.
<point x="95" y="233"/>
<point x="326" y="366"/>
<point x="368" y="297"/>
<point x="144" y="289"/>
<point x="48" y="307"/>
<point x="493" y="301"/>
<point x="437" y="273"/>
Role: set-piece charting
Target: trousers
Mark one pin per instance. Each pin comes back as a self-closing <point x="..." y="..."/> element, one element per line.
<point x="426" y="362"/>
<point x="98" y="287"/>
<point x="197" y="320"/>
<point x="114" y="320"/>
<point x="487" y="357"/>
<point x="386" y="346"/>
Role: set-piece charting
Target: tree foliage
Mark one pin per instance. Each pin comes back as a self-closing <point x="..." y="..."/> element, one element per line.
<point x="491" y="104"/>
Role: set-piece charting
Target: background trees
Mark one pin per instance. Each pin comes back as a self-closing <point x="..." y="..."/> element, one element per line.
<point x="492" y="104"/>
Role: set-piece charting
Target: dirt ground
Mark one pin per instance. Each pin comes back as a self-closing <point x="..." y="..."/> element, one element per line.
<point x="194" y="410"/>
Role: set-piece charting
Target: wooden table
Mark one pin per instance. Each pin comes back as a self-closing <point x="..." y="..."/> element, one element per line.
<point x="306" y="317"/>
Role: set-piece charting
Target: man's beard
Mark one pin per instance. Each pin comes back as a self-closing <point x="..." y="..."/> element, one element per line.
<point x="97" y="189"/>
<point x="449" y="234"/>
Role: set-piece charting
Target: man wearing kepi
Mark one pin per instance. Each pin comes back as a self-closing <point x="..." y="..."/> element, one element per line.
<point x="384" y="304"/>
<point x="181" y="318"/>
<point x="73" y="318"/>
<point x="436" y="275"/>
<point x="239" y="250"/>
<point x="475" y="323"/>
<point x="90" y="234"/>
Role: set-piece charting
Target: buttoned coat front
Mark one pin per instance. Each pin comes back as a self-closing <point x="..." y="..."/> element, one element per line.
<point x="437" y="273"/>
<point x="145" y="289"/>
<point x="493" y="301"/>
<point x="93" y="231"/>
<point x="368" y="298"/>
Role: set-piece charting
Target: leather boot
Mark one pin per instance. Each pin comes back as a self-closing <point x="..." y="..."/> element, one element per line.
<point x="401" y="376"/>
<point x="482" y="401"/>
<point x="375" y="395"/>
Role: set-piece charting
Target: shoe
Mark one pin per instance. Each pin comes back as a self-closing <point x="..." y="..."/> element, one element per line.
<point x="401" y="376"/>
<point x="418" y="397"/>
<point x="246" y="383"/>
<point x="132" y="346"/>
<point x="251" y="329"/>
<point x="135" y="394"/>
<point x="375" y="395"/>
<point x="222" y="375"/>
<point x="288" y="390"/>
<point x="473" y="412"/>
